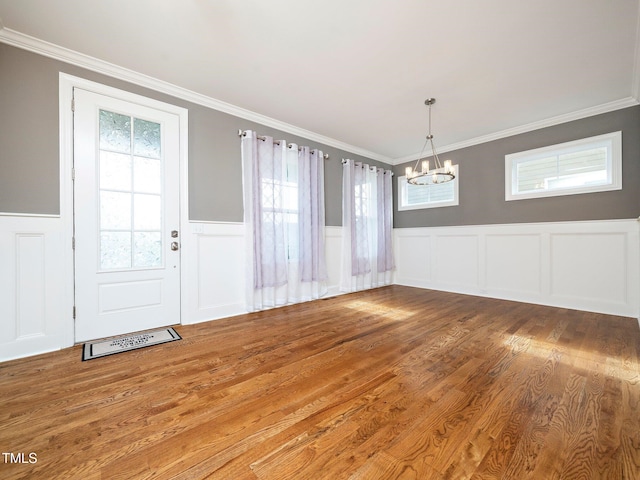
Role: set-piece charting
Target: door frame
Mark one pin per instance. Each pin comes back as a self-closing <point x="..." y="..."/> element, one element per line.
<point x="66" y="85"/>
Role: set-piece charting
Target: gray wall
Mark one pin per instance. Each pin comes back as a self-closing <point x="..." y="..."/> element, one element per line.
<point x="29" y="158"/>
<point x="29" y="144"/>
<point x="29" y="153"/>
<point x="481" y="188"/>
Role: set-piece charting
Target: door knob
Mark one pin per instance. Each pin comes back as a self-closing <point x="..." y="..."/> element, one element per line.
<point x="174" y="246"/>
<point x="174" y="233"/>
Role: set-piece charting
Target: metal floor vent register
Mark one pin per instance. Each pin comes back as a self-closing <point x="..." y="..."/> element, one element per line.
<point x="102" y="348"/>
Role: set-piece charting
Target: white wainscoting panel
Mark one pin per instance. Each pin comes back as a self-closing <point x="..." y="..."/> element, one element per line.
<point x="508" y="270"/>
<point x="30" y="284"/>
<point x="34" y="315"/>
<point x="591" y="266"/>
<point x="213" y="256"/>
<point x="411" y="249"/>
<point x="456" y="260"/>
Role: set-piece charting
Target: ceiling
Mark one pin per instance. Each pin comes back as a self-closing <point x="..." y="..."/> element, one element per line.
<point x="358" y="71"/>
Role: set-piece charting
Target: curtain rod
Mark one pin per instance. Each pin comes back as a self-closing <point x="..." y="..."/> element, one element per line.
<point x="345" y="160"/>
<point x="260" y="137"/>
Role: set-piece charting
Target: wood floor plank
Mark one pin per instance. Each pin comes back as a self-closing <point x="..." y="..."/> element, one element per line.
<point x="395" y="382"/>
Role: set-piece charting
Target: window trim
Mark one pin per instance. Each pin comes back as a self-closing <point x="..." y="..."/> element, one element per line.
<point x="614" y="166"/>
<point x="402" y="182"/>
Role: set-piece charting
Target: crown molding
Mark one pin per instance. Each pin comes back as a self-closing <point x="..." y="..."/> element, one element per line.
<point x="56" y="52"/>
<point x="549" y="122"/>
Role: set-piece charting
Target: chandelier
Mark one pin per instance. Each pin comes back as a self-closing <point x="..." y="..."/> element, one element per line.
<point x="439" y="173"/>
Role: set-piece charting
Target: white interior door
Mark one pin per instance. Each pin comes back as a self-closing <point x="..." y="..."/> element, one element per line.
<point x="126" y="214"/>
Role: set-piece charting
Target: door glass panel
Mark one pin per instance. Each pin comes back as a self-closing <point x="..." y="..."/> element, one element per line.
<point x="130" y="192"/>
<point x="148" y="214"/>
<point x="147" y="175"/>
<point x="148" y="249"/>
<point x="146" y="141"/>
<point x="115" y="210"/>
<point x="115" y="250"/>
<point x="115" y="171"/>
<point x="115" y="132"/>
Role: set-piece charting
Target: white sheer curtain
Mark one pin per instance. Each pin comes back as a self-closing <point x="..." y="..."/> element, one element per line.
<point x="367" y="223"/>
<point x="284" y="222"/>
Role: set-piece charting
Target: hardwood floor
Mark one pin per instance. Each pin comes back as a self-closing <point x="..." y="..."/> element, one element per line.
<point x="390" y="383"/>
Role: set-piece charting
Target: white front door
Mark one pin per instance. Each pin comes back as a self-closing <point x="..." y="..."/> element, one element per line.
<point x="126" y="216"/>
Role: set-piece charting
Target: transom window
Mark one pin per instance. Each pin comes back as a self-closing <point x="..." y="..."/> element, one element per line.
<point x="583" y="166"/>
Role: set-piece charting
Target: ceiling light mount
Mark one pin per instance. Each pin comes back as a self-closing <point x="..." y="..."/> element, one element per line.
<point x="425" y="176"/>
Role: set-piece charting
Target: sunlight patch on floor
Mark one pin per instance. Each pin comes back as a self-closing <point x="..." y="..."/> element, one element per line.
<point x="624" y="369"/>
<point x="393" y="313"/>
